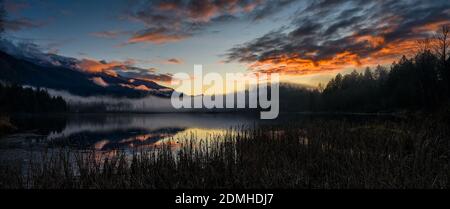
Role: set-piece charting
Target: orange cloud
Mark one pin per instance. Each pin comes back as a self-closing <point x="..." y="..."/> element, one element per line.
<point x="94" y="66"/>
<point x="100" y="144"/>
<point x="430" y="27"/>
<point x="300" y="66"/>
<point x="392" y="51"/>
<point x="251" y="6"/>
<point x="156" y="37"/>
<point x="379" y="52"/>
<point x="167" y="6"/>
<point x="374" y="41"/>
<point x="108" y="34"/>
<point x="341" y="35"/>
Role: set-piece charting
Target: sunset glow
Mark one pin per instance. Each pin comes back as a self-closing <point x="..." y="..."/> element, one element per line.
<point x="298" y="39"/>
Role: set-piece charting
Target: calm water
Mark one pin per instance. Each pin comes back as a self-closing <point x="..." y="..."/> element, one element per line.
<point x="107" y="132"/>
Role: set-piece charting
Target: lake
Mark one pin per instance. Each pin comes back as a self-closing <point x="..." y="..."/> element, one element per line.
<point x="295" y="151"/>
<point x="104" y="133"/>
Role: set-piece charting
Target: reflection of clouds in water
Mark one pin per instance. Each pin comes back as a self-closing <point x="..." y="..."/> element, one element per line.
<point x="100" y="144"/>
<point x="105" y="133"/>
<point x="139" y="141"/>
<point x="144" y="137"/>
<point x="150" y="122"/>
<point x="175" y="138"/>
<point x="192" y="133"/>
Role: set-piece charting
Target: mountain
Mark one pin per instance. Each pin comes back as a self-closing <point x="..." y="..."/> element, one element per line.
<point x="61" y="77"/>
<point x="31" y="52"/>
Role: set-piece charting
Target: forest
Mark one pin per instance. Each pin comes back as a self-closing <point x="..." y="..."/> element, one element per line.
<point x="14" y="98"/>
<point x="17" y="99"/>
<point x="421" y="82"/>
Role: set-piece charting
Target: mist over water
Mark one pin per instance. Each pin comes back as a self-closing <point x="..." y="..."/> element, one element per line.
<point x="147" y="104"/>
<point x="152" y="103"/>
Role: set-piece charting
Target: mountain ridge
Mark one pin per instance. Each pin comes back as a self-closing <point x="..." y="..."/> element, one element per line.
<point x="25" y="72"/>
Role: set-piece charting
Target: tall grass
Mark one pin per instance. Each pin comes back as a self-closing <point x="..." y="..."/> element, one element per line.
<point x="314" y="154"/>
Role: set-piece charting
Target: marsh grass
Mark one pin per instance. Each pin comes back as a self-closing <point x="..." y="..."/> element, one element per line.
<point x="313" y="154"/>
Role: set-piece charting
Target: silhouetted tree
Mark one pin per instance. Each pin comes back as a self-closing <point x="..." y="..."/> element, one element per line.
<point x="420" y="82"/>
<point x="15" y="98"/>
<point x="442" y="42"/>
<point x="441" y="48"/>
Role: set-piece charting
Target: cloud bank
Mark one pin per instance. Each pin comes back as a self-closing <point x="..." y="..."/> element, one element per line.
<point x="332" y="35"/>
<point x="174" y="20"/>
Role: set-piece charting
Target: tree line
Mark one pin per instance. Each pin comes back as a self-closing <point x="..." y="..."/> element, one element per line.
<point x="14" y="98"/>
<point x="419" y="82"/>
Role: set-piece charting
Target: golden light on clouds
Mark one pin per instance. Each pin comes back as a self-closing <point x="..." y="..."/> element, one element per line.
<point x="156" y="38"/>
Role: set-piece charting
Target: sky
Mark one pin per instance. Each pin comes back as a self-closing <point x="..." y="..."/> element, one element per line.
<point x="308" y="42"/>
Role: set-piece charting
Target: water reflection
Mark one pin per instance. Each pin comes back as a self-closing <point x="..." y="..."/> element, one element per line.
<point x="105" y="132"/>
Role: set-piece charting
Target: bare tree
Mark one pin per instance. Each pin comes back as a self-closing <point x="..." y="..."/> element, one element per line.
<point x="442" y="42"/>
<point x="424" y="45"/>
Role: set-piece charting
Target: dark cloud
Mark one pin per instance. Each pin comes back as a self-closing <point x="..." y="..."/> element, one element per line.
<point x="174" y="20"/>
<point x="127" y="68"/>
<point x="174" y="61"/>
<point x="270" y="8"/>
<point x="144" y="74"/>
<point x="165" y="77"/>
<point x="331" y="34"/>
<point x="21" y="24"/>
<point x="15" y="6"/>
